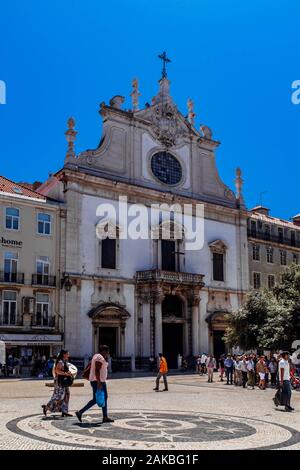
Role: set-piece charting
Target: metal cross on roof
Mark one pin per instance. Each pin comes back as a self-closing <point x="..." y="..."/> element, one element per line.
<point x="165" y="59"/>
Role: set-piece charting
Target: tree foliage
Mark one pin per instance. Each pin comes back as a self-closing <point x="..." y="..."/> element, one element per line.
<point x="269" y="319"/>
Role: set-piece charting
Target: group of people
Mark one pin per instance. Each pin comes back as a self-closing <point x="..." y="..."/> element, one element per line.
<point x="248" y="370"/>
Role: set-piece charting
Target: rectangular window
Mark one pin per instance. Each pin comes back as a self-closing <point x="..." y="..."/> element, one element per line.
<point x="270" y="255"/>
<point x="42" y="309"/>
<point x="43" y="270"/>
<point x="295" y="258"/>
<point x="256" y="280"/>
<point x="256" y="252"/>
<point x="267" y="232"/>
<point x="218" y="266"/>
<point x="108" y="253"/>
<point x="271" y="281"/>
<point x="12" y="218"/>
<point x="253" y="228"/>
<point x="44" y="224"/>
<point x="293" y="238"/>
<point x="9" y="307"/>
<point x="10" y="266"/>
<point x="283" y="258"/>
<point x="280" y="234"/>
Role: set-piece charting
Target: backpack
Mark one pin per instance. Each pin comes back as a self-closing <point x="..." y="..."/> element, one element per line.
<point x="86" y="372"/>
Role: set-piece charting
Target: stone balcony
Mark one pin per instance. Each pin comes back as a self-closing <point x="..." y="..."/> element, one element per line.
<point x="173" y="277"/>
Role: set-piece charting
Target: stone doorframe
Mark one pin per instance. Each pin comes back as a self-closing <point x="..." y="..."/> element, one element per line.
<point x="150" y="320"/>
<point x="109" y="314"/>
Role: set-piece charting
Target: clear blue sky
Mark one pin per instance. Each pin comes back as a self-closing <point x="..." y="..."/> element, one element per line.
<point x="236" y="60"/>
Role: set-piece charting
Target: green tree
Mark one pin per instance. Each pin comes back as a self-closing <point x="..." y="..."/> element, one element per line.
<point x="268" y="319"/>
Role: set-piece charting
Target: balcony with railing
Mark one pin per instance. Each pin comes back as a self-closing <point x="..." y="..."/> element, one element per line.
<point x="35" y="323"/>
<point x="43" y="280"/>
<point x="11" y="278"/>
<point x="269" y="237"/>
<point x="158" y="275"/>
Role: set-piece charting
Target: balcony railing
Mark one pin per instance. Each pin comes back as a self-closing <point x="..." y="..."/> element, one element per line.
<point x="12" y="278"/>
<point x="43" y="280"/>
<point x="37" y="323"/>
<point x="157" y="275"/>
<point x="274" y="238"/>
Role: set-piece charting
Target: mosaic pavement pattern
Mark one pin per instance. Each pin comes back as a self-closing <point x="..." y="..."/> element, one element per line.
<point x="157" y="430"/>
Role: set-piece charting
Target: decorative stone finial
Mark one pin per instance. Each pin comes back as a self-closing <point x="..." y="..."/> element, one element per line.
<point x="238" y="183"/>
<point x="206" y="131"/>
<point x="116" y="101"/>
<point x="191" y="114"/>
<point x="135" y="94"/>
<point x="70" y="136"/>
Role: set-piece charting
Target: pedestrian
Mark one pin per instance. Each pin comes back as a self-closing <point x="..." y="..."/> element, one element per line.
<point x="228" y="363"/>
<point x="198" y="365"/>
<point x="251" y="372"/>
<point x="237" y="373"/>
<point x="296" y="360"/>
<point x="285" y="381"/>
<point x="59" y="401"/>
<point x="221" y="367"/>
<point x="261" y="371"/>
<point x="210" y="366"/>
<point x="244" y="371"/>
<point x="273" y="368"/>
<point x="163" y="370"/>
<point x="203" y="363"/>
<point x="97" y="378"/>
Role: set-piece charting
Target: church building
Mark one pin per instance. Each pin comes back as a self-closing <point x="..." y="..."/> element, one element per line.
<point x="148" y="294"/>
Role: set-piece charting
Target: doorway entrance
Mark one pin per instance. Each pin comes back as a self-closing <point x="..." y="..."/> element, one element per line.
<point x="168" y="255"/>
<point x="108" y="336"/>
<point x="172" y="343"/>
<point x="219" y="345"/>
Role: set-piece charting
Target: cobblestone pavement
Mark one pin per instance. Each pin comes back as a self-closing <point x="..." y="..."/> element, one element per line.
<point x="192" y="415"/>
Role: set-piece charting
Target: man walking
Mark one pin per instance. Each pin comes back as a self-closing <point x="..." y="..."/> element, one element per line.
<point x="228" y="363"/>
<point x="285" y="381"/>
<point x="97" y="378"/>
<point x="210" y="366"/>
<point x="251" y="372"/>
<point x="163" y="370"/>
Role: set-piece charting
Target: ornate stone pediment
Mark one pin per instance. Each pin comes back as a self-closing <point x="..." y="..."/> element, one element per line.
<point x="109" y="312"/>
<point x="218" y="246"/>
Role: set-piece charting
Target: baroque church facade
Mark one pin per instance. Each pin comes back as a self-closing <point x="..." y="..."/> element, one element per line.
<point x="147" y="295"/>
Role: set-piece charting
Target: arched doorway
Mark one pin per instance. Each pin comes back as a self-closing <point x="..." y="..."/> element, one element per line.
<point x="173" y="329"/>
<point x="217" y="327"/>
<point x="109" y="323"/>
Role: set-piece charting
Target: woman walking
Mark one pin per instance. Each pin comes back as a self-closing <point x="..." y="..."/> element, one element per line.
<point x="59" y="401"/>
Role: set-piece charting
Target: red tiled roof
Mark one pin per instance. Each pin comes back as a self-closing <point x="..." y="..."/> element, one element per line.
<point x="8" y="186"/>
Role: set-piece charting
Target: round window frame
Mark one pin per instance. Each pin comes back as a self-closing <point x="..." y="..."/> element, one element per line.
<point x="167" y="185"/>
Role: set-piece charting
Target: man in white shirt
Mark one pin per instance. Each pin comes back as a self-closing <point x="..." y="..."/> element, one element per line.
<point x="203" y="363"/>
<point x="285" y="381"/>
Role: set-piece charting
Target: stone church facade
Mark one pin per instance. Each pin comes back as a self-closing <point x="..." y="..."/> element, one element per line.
<point x="147" y="295"/>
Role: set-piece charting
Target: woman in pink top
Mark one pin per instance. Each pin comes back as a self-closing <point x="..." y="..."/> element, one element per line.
<point x="97" y="378"/>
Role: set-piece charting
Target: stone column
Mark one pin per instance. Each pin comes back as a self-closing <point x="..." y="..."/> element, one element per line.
<point x="204" y="328"/>
<point x="195" y="299"/>
<point x="158" y="298"/>
<point x="158" y="328"/>
<point x="146" y="328"/>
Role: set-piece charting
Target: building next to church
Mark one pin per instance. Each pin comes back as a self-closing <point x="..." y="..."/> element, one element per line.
<point x="30" y="323"/>
<point x="144" y="296"/>
<point x="273" y="245"/>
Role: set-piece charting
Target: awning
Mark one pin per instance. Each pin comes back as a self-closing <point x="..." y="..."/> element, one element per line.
<point x="15" y="339"/>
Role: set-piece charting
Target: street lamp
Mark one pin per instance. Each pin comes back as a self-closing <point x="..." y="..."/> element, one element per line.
<point x="67" y="283"/>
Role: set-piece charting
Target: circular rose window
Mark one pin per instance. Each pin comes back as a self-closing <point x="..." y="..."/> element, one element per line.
<point x="166" y="168"/>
